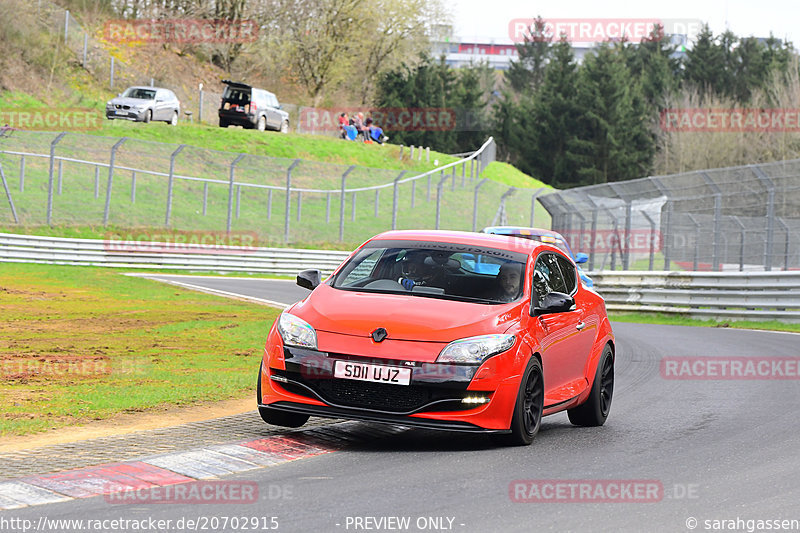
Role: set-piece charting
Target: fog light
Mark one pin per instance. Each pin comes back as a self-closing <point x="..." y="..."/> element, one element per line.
<point x="475" y="400"/>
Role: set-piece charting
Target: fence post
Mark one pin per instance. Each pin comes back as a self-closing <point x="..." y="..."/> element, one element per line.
<point x="652" y="241"/>
<point x="463" y="175"/>
<point x="413" y="193"/>
<point x="342" y="201"/>
<point x="395" y="199"/>
<point x="717" y="220"/>
<point x="22" y="174"/>
<point x="533" y="204"/>
<point x="453" y="183"/>
<point x="171" y="181"/>
<point x="8" y="195"/>
<point x="429" y="188"/>
<point x="427" y="154"/>
<point x="230" y="190"/>
<point x="96" y="182"/>
<point x="200" y="106"/>
<point x="85" y="48"/>
<point x="288" y="203"/>
<point x="205" y="197"/>
<point x="111" y="178"/>
<point x="111" y="76"/>
<point x="411" y="149"/>
<point x="269" y="204"/>
<point x="770" y="221"/>
<point x="353" y="208"/>
<point x="50" y="180"/>
<point x="299" y="204"/>
<point x="475" y="204"/>
<point x="133" y="186"/>
<point x="439" y="190"/>
<point x="741" y="241"/>
<point x="377" y="198"/>
<point x="238" y="200"/>
<point x="328" y="207"/>
<point x="786" y="243"/>
<point x="60" y="175"/>
<point x="66" y="25"/>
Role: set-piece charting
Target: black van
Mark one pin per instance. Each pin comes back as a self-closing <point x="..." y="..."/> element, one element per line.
<point x="246" y="106"/>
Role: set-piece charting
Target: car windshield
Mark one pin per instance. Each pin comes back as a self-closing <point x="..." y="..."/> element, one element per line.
<point x="140" y="94"/>
<point x="435" y="270"/>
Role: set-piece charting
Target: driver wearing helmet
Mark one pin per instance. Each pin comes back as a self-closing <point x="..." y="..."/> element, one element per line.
<point x="414" y="269"/>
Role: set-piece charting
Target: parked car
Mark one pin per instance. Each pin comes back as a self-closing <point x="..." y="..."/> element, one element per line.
<point x="246" y="106"/>
<point x="144" y="104"/>
<point x="405" y="331"/>
<point x="546" y="236"/>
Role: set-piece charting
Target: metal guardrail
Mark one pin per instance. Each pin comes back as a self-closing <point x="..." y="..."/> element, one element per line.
<point x="722" y="295"/>
<point x="705" y="295"/>
<point x="159" y="255"/>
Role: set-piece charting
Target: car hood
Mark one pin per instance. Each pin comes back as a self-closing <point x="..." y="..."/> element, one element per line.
<point x="405" y="317"/>
<point x="124" y="100"/>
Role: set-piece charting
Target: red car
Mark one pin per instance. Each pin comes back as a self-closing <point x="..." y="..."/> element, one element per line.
<point x="408" y="331"/>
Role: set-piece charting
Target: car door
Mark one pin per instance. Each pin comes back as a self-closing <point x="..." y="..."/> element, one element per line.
<point x="562" y="341"/>
<point x="274" y="118"/>
<point x="160" y="106"/>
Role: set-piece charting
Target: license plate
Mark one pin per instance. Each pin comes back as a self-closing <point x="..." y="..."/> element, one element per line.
<point x="375" y="373"/>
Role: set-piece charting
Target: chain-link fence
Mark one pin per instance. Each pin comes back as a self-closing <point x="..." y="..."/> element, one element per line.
<point x="84" y="180"/>
<point x="737" y="218"/>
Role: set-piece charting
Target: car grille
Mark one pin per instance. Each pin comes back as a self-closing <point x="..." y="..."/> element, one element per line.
<point x="377" y="396"/>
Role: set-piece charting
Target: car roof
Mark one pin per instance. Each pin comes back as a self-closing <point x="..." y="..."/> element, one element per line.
<point x="462" y="237"/>
<point x="148" y="88"/>
<point x="237" y="84"/>
<point x="521" y="230"/>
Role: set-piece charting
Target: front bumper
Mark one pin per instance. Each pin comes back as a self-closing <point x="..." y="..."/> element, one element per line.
<point x="434" y="398"/>
<point x="126" y="114"/>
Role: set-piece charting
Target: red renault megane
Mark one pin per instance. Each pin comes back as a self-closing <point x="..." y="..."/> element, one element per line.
<point x="413" y="329"/>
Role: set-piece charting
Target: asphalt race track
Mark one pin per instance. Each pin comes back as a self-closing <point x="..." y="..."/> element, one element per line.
<point x="714" y="449"/>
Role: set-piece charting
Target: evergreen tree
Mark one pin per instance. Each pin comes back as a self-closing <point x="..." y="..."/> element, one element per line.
<point x="550" y="153"/>
<point x="527" y="73"/>
<point x="705" y="66"/>
<point x="614" y="142"/>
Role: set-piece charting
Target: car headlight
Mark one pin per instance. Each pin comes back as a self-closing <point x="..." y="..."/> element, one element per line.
<point x="474" y="350"/>
<point x="296" y="331"/>
<point x="109" y="104"/>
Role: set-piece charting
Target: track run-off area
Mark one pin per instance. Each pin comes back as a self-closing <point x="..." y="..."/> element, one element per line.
<point x="702" y="436"/>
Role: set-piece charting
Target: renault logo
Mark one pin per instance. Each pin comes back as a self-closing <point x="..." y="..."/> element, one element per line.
<point x="379" y="334"/>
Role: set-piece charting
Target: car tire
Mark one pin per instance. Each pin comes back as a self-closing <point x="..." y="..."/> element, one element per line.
<point x="262" y="123"/>
<point x="595" y="410"/>
<point x="148" y="116"/>
<point x="527" y="417"/>
<point x="223" y="124"/>
<point x="277" y="417"/>
<point x="174" y="120"/>
<point x="285" y="126"/>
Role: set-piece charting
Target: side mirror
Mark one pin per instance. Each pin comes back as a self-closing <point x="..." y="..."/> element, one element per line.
<point x="309" y="279"/>
<point x="581" y="258"/>
<point x="554" y="302"/>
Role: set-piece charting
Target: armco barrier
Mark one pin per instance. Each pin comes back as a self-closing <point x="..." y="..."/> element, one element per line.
<point x="723" y="295"/>
<point x="95" y="252"/>
<point x="706" y="295"/>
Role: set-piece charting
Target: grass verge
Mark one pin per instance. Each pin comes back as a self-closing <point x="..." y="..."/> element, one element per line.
<point x="680" y="320"/>
<point x="83" y="344"/>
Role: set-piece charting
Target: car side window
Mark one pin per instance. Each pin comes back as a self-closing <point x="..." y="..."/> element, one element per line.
<point x="547" y="277"/>
<point x="568" y="273"/>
